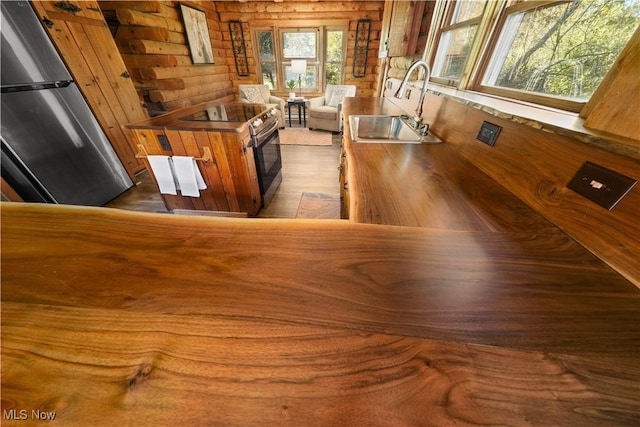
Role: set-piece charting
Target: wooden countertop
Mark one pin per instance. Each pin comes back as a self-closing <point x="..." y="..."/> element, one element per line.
<point x="123" y="318"/>
<point x="174" y="120"/>
<point x="427" y="185"/>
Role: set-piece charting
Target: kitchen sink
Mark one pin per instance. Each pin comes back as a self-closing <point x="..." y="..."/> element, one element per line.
<point x="386" y="129"/>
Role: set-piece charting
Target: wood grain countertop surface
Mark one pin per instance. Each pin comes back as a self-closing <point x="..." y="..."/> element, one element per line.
<point x="239" y="115"/>
<point x="426" y="185"/>
<point x="123" y="318"/>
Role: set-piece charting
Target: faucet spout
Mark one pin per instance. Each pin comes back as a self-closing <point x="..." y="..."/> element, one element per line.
<point x="417" y="119"/>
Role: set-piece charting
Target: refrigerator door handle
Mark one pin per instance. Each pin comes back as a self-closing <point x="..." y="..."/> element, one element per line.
<point x="35" y="86"/>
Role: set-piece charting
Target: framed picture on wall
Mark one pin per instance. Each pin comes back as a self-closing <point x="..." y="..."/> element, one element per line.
<point x="195" y="25"/>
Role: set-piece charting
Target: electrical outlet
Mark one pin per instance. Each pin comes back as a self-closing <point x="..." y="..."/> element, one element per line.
<point x="601" y="185"/>
<point x="164" y="142"/>
<point x="488" y="133"/>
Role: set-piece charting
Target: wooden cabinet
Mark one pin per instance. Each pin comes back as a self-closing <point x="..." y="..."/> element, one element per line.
<point x="344" y="184"/>
<point x="81" y="35"/>
<point x="230" y="174"/>
<point x="403" y="27"/>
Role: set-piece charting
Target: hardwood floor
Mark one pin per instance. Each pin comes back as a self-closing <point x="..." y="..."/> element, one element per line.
<point x="305" y="169"/>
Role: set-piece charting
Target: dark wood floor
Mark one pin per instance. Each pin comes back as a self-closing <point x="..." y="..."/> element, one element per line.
<point x="305" y="169"/>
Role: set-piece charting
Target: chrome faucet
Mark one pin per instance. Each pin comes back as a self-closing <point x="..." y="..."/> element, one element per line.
<point x="417" y="119"/>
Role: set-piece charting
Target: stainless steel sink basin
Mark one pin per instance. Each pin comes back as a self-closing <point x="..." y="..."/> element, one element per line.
<point x="385" y="129"/>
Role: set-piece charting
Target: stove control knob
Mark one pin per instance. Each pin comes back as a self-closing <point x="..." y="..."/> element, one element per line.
<point x="257" y="122"/>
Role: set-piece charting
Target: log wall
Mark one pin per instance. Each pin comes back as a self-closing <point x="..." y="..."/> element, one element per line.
<point x="151" y="39"/>
<point x="306" y="13"/>
<point x="616" y="99"/>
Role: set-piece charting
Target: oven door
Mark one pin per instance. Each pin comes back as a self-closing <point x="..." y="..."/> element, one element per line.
<point x="268" y="159"/>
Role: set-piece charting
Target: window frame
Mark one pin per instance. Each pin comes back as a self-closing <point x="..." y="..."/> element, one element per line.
<point x="445" y="26"/>
<point x="343" y="59"/>
<point x="488" y="33"/>
<point x="278" y="29"/>
<point x="259" y="61"/>
<point x="285" y="61"/>
<point x="511" y="7"/>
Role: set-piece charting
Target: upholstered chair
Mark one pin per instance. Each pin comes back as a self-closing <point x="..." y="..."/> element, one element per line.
<point x="260" y="94"/>
<point x="325" y="112"/>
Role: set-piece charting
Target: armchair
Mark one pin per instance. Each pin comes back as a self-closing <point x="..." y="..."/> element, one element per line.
<point x="260" y="94"/>
<point x="325" y="112"/>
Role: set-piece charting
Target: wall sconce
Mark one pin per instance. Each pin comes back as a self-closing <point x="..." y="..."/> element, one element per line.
<point x="299" y="66"/>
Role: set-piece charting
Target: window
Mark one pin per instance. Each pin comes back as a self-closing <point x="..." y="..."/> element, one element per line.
<point x="456" y="38"/>
<point x="554" y="53"/>
<point x="334" y="57"/>
<point x="301" y="44"/>
<point x="325" y="57"/>
<point x="267" y="59"/>
<point x="562" y="50"/>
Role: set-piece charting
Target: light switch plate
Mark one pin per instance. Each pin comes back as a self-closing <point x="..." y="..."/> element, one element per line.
<point x="488" y="133"/>
<point x="601" y="185"/>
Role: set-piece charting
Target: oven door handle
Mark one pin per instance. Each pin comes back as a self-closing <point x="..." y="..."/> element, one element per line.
<point x="266" y="133"/>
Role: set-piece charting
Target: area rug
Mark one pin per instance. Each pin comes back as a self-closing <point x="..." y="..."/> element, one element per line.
<point x="318" y="206"/>
<point x="303" y="136"/>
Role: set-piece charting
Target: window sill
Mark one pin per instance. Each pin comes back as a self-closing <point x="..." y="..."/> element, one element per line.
<point x="547" y="119"/>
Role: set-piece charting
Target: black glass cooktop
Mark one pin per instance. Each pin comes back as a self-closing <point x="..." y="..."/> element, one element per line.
<point x="232" y="112"/>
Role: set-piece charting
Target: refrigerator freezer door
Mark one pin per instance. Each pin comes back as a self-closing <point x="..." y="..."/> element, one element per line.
<point x="54" y="133"/>
<point x="27" y="52"/>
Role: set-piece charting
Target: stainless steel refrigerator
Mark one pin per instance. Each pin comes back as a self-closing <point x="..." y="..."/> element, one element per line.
<point x="53" y="149"/>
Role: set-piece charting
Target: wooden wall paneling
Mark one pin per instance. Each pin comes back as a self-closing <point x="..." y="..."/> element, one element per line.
<point x="240" y="162"/>
<point x="156" y="39"/>
<point x="299" y="13"/>
<point x="159" y="73"/>
<point x="399" y="28"/>
<point x="157" y="48"/>
<point x="615" y="106"/>
<point x="177" y="149"/>
<point x="148" y="138"/>
<point x="144" y="19"/>
<point x="226" y="173"/>
<point x="115" y="87"/>
<point x="127" y="33"/>
<point x="189" y="147"/>
<point x="211" y="173"/>
<point x="154" y="61"/>
<point x="218" y="14"/>
<point x="139" y="5"/>
<point x="85" y="43"/>
<point x="85" y="11"/>
<point x="190" y="92"/>
<point x="295" y="7"/>
<point x="164" y="84"/>
<point x="299" y="16"/>
<point x="536" y="166"/>
<point x="425" y="26"/>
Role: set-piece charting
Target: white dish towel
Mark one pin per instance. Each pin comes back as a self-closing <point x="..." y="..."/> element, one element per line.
<point x="188" y="175"/>
<point x="163" y="171"/>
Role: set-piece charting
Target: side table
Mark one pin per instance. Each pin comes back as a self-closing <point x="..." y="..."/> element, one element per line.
<point x="302" y="110"/>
